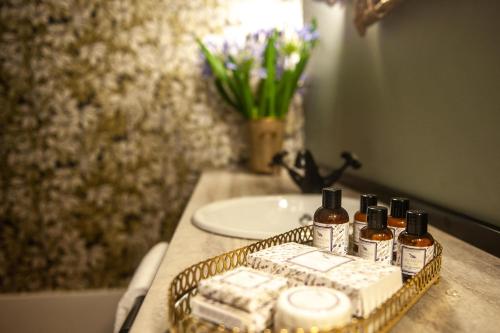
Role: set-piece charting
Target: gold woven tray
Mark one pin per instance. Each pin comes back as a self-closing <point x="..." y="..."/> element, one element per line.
<point x="183" y="286"/>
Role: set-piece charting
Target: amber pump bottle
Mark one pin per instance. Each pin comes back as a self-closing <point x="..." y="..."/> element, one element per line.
<point x="397" y="221"/>
<point x="375" y="241"/>
<point x="416" y="245"/>
<point x="331" y="223"/>
<point x="360" y="217"/>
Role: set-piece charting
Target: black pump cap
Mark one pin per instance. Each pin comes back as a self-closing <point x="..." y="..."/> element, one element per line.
<point x="332" y="197"/>
<point x="377" y="217"/>
<point x="416" y="222"/>
<point x="399" y="206"/>
<point x="367" y="200"/>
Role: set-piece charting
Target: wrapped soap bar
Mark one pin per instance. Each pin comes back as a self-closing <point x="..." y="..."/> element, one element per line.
<point x="230" y="317"/>
<point x="366" y="283"/>
<point x="243" y="288"/>
<point x="306" y="307"/>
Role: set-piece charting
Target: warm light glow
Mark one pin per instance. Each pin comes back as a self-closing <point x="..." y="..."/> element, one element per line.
<point x="265" y="14"/>
<point x="283" y="203"/>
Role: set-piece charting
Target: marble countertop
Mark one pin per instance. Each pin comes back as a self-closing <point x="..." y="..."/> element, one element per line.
<point x="466" y="299"/>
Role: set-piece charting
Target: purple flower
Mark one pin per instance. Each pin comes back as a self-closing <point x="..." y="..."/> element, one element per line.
<point x="308" y="33"/>
<point x="251" y="50"/>
<point x="211" y="46"/>
<point x="231" y="66"/>
<point x="225" y="48"/>
<point x="313" y="36"/>
<point x="259" y="35"/>
<point x="279" y="69"/>
<point x="206" y="71"/>
<point x="262" y="73"/>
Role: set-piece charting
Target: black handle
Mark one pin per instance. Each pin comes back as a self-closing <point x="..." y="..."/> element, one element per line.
<point x="306" y="171"/>
<point x="129" y="321"/>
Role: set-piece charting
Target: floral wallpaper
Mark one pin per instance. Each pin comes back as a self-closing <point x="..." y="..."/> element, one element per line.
<point x="105" y="125"/>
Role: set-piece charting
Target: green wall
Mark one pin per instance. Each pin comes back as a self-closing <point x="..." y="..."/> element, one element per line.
<point x="417" y="98"/>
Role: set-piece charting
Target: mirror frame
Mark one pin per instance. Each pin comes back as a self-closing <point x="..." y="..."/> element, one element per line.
<point x="367" y="12"/>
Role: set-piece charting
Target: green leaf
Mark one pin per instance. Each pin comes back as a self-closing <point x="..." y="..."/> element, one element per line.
<point x="246" y="93"/>
<point x="215" y="63"/>
<point x="284" y="89"/>
<point x="292" y="82"/>
<point x="237" y="91"/>
<point x="240" y="84"/>
<point x="223" y="80"/>
<point x="267" y="102"/>
<point x="222" y="91"/>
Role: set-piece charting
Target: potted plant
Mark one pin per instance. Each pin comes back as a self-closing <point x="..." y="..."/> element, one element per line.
<point x="258" y="78"/>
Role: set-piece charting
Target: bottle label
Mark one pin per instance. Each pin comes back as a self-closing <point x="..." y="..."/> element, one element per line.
<point x="414" y="258"/>
<point x="358" y="225"/>
<point x="378" y="251"/>
<point x="395" y="232"/>
<point x="331" y="237"/>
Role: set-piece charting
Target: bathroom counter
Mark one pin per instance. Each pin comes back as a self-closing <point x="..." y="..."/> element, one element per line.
<point x="467" y="298"/>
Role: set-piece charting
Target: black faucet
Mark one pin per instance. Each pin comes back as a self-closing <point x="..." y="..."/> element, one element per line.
<point x="311" y="181"/>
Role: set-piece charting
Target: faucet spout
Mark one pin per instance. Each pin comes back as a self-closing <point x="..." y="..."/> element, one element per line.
<point x="309" y="179"/>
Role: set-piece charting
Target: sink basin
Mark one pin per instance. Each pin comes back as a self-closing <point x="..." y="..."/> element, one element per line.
<point x="260" y="217"/>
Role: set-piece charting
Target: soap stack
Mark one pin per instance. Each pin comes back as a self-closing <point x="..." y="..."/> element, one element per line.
<point x="242" y="298"/>
<point x="327" y="290"/>
<point x="366" y="283"/>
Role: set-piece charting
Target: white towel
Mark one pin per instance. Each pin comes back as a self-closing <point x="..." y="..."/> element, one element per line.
<point x="140" y="283"/>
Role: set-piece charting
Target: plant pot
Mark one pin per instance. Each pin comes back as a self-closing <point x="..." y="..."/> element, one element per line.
<point x="265" y="139"/>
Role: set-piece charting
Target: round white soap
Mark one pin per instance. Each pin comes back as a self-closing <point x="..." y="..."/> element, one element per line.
<point x="306" y="307"/>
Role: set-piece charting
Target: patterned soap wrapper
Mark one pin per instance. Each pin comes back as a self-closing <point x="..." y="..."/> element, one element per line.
<point x="231" y="317"/>
<point x="367" y="284"/>
<point x="243" y="288"/>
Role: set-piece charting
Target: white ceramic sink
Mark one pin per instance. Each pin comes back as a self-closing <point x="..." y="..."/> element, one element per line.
<point x="260" y="217"/>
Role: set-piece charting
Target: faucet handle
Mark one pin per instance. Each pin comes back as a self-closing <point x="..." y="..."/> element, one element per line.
<point x="305" y="159"/>
<point x="351" y="160"/>
<point x="278" y="159"/>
